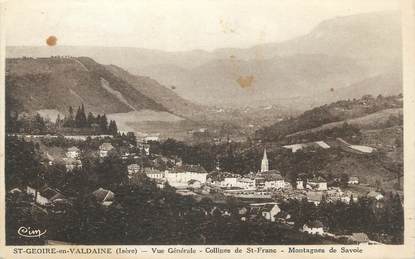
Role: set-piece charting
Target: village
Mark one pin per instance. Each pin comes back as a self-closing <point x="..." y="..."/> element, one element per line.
<point x="257" y="195"/>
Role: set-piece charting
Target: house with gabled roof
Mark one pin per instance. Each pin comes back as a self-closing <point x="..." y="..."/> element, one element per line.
<point x="105" y="148"/>
<point x="45" y="195"/>
<point x="133" y="169"/>
<point x="154" y="173"/>
<point x="374" y="195"/>
<point x="314" y="227"/>
<point x="179" y="176"/>
<point x="359" y="238"/>
<point x="267" y="210"/>
<point x="72" y="152"/>
<point x="353" y="180"/>
<point x="72" y="163"/>
<point x="270" y="211"/>
<point x="317" y="183"/>
<point x="223" y="179"/>
<point x="103" y="196"/>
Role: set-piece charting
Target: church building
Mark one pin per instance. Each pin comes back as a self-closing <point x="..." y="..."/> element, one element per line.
<point x="264" y="162"/>
<point x="268" y="179"/>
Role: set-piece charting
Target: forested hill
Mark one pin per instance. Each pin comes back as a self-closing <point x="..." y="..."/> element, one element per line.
<point x="59" y="82"/>
<point x="367" y="112"/>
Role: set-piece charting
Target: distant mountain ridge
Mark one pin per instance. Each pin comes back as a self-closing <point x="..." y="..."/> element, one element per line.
<point x="302" y="72"/>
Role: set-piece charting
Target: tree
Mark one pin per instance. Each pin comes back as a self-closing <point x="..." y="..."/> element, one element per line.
<point x="103" y="123"/>
<point x="82" y="117"/>
<point x="70" y="121"/>
<point x="77" y="118"/>
<point x="38" y="125"/>
<point x="112" y="128"/>
<point x="91" y="119"/>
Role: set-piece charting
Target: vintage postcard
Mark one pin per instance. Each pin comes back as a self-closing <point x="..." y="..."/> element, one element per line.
<point x="207" y="129"/>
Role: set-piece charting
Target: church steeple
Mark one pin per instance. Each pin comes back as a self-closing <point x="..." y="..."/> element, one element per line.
<point x="264" y="162"/>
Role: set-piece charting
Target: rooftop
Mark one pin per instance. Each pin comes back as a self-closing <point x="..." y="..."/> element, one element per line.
<point x="317" y="179"/>
<point x="360" y="237"/>
<point x="106" y="146"/>
<point x="315" y="224"/>
<point x="189" y="168"/>
<point x="102" y="195"/>
<point x="150" y="170"/>
<point x="73" y="149"/>
<point x="271" y="175"/>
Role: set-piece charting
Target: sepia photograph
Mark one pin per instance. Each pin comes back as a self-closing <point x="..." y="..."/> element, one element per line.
<point x="203" y="123"/>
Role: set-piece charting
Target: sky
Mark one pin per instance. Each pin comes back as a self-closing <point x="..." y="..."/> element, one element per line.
<point x="172" y="25"/>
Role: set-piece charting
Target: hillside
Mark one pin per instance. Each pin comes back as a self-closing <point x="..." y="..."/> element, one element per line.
<point x="159" y="93"/>
<point x="364" y="113"/>
<point x="344" y="57"/>
<point x="371" y="121"/>
<point x="57" y="83"/>
<point x="374" y="125"/>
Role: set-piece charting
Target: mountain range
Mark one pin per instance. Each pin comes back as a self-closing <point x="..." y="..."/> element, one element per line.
<point x="343" y="57"/>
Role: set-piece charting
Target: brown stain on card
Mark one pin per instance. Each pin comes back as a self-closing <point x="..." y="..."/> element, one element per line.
<point x="245" y="81"/>
<point x="51" y="40"/>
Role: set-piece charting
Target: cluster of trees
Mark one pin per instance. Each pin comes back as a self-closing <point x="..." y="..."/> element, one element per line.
<point x="78" y="122"/>
<point x="22" y="162"/>
<point x="383" y="223"/>
<point x="81" y="120"/>
<point x="229" y="156"/>
<point x="90" y="144"/>
<point x="26" y="123"/>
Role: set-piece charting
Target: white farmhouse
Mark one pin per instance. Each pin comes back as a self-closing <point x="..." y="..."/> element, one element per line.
<point x="268" y="210"/>
<point x="231" y="181"/>
<point x="299" y="184"/>
<point x="353" y="180"/>
<point x="104" y="149"/>
<point x="375" y="195"/>
<point x="314" y="227"/>
<point x="179" y="176"/>
<point x="317" y="183"/>
<point x="72" y="152"/>
<point x="154" y="173"/>
<point x="72" y="164"/>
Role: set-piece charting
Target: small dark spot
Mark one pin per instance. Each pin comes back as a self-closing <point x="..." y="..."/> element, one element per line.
<point x="51" y="40"/>
<point x="331" y="89"/>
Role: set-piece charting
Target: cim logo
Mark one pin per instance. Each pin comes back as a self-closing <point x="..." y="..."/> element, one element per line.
<point x="29" y="232"/>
